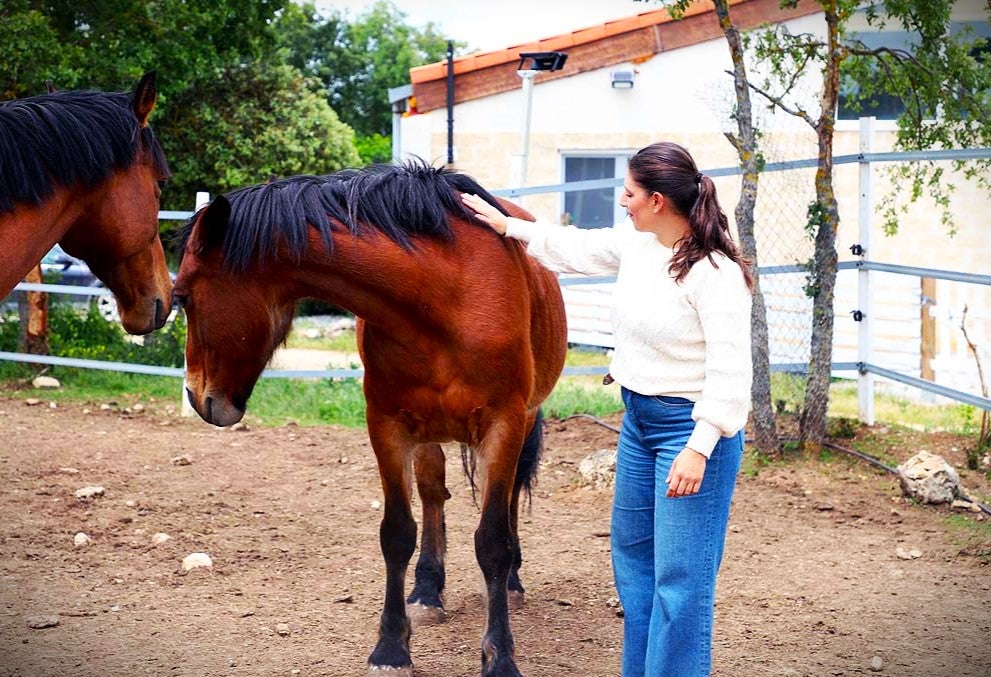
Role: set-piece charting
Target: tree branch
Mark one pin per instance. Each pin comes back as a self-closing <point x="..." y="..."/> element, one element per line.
<point x="776" y="101"/>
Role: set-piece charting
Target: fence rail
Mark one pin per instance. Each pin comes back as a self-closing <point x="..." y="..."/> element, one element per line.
<point x="864" y="367"/>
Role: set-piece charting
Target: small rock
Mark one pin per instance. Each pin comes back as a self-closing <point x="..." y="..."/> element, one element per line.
<point x="343" y="599"/>
<point x="69" y="470"/>
<point x="52" y="405"/>
<point x="376" y="505"/>
<point x="32" y="401"/>
<point x="90" y="492"/>
<point x="184" y="459"/>
<point x="130" y="504"/>
<point x="105" y="407"/>
<point x="138" y="408"/>
<point x="238" y="427"/>
<point x="929" y="478"/>
<point x="914" y="553"/>
<point x="40" y="622"/>
<point x="196" y="560"/>
<point x="876" y="664"/>
<point x="282" y="629"/>
<point x="46" y="382"/>
<point x="599" y="468"/>
<point x="81" y="540"/>
<point x="159" y="538"/>
<point x="612" y="603"/>
<point x="86" y="411"/>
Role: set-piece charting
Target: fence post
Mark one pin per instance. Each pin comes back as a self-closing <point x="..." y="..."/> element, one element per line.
<point x="185" y="407"/>
<point x="865" y="294"/>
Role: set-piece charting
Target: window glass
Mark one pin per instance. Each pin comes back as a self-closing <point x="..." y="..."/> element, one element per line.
<point x="593" y="208"/>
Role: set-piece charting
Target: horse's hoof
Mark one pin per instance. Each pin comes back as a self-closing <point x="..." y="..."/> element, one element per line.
<point x="390" y="671"/>
<point x="515" y="599"/>
<point x="421" y="615"/>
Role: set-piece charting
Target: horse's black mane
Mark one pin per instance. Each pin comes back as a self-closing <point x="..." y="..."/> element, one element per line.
<point x="67" y="137"/>
<point x="399" y="201"/>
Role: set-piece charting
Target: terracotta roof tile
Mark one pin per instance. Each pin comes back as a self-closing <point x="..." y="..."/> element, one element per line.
<point x="479" y="60"/>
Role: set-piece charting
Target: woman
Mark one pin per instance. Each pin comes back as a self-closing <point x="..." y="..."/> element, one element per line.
<point x="681" y="320"/>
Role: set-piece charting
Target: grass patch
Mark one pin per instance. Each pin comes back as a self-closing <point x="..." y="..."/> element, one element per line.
<point x="970" y="535"/>
<point x="571" y="396"/>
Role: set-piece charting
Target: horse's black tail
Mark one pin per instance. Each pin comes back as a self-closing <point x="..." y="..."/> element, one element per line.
<point x="529" y="463"/>
<point x="526" y="467"/>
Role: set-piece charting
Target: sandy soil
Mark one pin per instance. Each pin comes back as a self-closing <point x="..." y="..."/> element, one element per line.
<point x="811" y="583"/>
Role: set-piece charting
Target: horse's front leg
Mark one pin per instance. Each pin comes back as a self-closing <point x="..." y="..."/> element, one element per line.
<point x="425" y="604"/>
<point x="397" y="535"/>
<point x="495" y="541"/>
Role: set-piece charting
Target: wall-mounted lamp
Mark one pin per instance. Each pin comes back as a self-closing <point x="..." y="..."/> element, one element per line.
<point x="542" y="61"/>
<point x="622" y="78"/>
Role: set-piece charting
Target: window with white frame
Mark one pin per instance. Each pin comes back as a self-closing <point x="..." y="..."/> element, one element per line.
<point x="595" y="207"/>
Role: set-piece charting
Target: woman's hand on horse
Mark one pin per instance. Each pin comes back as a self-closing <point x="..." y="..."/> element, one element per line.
<point x="485" y="212"/>
<point x="685" y="476"/>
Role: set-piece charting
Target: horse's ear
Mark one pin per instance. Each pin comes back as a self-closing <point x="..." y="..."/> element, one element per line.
<point x="144" y="99"/>
<point x="50" y="86"/>
<point x="213" y="223"/>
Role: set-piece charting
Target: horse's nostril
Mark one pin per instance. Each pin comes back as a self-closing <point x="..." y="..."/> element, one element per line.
<point x="208" y="410"/>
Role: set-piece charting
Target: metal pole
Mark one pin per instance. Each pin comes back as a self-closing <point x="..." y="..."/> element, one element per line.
<point x="865" y="294"/>
<point x="518" y="169"/>
<point x="450" y="102"/>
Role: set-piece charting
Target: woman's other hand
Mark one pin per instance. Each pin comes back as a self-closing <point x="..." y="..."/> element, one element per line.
<point x="685" y="476"/>
<point x="485" y="212"/>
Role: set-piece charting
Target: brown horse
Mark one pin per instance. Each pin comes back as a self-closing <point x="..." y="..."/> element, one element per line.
<point x="83" y="169"/>
<point x="462" y="336"/>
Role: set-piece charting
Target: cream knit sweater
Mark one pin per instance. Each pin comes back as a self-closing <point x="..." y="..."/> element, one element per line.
<point x="689" y="339"/>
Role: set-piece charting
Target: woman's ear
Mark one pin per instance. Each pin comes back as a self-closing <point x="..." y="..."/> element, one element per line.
<point x="656" y="202"/>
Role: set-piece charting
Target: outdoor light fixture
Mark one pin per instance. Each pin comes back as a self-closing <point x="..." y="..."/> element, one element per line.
<point x="531" y="63"/>
<point x="622" y="78"/>
<point x="542" y="61"/>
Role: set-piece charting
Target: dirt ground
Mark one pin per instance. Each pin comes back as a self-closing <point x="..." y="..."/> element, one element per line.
<point x="811" y="583"/>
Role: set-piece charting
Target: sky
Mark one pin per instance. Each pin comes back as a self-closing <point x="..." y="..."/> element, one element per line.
<point x="495" y="24"/>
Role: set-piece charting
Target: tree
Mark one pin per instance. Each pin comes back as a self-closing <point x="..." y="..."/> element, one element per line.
<point x="109" y="44"/>
<point x="359" y="60"/>
<point x="946" y="105"/>
<point x="253" y="122"/>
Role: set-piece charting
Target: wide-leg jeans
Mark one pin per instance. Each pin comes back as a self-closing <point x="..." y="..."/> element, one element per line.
<point x="666" y="551"/>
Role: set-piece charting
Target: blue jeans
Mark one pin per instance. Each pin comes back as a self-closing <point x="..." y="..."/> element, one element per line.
<point x="666" y="551"/>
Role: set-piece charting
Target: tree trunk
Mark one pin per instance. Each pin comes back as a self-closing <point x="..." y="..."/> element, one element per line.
<point x="32" y="307"/>
<point x="824" y="218"/>
<point x="765" y="431"/>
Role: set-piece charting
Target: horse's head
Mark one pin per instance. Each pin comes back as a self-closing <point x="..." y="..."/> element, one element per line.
<point x="236" y="319"/>
<point x="117" y="233"/>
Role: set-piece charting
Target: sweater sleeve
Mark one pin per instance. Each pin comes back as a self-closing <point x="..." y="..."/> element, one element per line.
<point x="723" y="304"/>
<point x="567" y="249"/>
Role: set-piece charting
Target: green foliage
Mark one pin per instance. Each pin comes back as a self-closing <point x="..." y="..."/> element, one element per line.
<point x="250" y="123"/>
<point x="359" y="60"/>
<point x="374" y="148"/>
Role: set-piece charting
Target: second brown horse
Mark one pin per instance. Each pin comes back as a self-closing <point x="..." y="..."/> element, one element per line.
<point x="461" y="334"/>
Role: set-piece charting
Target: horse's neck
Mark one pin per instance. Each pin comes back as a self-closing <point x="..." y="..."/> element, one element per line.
<point x="28" y="232"/>
<point x="376" y="279"/>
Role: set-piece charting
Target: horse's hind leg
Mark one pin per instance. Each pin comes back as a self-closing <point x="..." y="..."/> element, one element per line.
<point x="397" y="535"/>
<point x="425" y="604"/>
<point x="494" y="540"/>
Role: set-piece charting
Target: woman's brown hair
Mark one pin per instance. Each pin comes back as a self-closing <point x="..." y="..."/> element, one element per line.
<point x="669" y="169"/>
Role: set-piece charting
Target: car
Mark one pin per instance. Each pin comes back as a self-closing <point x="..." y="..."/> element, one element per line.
<point x="57" y="267"/>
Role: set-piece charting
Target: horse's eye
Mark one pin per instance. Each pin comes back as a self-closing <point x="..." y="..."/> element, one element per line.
<point x="162" y="183"/>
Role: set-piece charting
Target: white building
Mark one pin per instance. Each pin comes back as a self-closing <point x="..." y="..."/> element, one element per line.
<point x="584" y="124"/>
